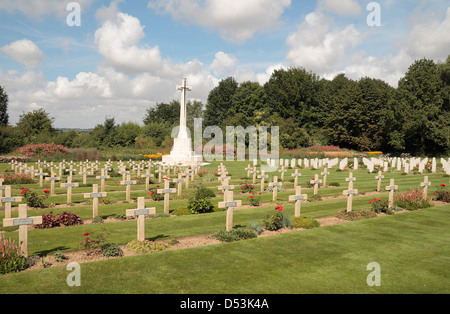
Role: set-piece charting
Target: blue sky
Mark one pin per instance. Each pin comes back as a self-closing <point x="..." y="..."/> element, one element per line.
<point x="129" y="55"/>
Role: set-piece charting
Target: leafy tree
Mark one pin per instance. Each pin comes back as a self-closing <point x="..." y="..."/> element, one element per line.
<point x="422" y="121"/>
<point x="166" y="113"/>
<point x="34" y="123"/>
<point x="220" y="102"/>
<point x="248" y="98"/>
<point x="4" y="117"/>
<point x="126" y="134"/>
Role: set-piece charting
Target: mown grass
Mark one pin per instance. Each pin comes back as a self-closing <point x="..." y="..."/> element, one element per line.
<point x="411" y="248"/>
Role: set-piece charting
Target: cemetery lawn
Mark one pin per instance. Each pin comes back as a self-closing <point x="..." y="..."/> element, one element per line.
<point x="411" y="248"/>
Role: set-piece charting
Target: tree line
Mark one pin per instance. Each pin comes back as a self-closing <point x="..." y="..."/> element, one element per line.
<point x="364" y="115"/>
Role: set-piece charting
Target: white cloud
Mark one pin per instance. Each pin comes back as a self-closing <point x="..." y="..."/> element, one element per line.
<point x="317" y="47"/>
<point x="223" y="63"/>
<point x="430" y="38"/>
<point x="24" y="51"/>
<point x="236" y="21"/>
<point x="340" y="7"/>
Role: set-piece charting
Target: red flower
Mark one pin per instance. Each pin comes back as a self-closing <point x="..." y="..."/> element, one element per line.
<point x="378" y="200"/>
<point x="251" y="196"/>
<point x="435" y="193"/>
<point x="242" y="187"/>
<point x="86" y="234"/>
<point x="150" y="193"/>
<point x="21" y="192"/>
<point x="443" y="185"/>
<point x="46" y="191"/>
<point x="370" y="202"/>
<point x="279" y="208"/>
<point x="260" y="193"/>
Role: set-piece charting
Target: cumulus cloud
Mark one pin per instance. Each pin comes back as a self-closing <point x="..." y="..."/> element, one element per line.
<point x="340" y="7"/>
<point x="318" y="46"/>
<point x="24" y="51"/>
<point x="236" y="21"/>
<point x="223" y="63"/>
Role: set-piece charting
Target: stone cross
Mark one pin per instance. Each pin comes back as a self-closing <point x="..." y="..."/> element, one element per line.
<point x="316" y="183"/>
<point x="128" y="183"/>
<point x="225" y="187"/>
<point x="248" y="171"/>
<point x="188" y="175"/>
<point x="275" y="184"/>
<point x="282" y="173"/>
<point x="41" y="177"/>
<point x="263" y="176"/>
<point x="391" y="188"/>
<point x="102" y="177"/>
<point x="229" y="204"/>
<point x="8" y="200"/>
<point x="69" y="185"/>
<point x="183" y="112"/>
<point x="147" y="177"/>
<point x="71" y="171"/>
<point x="296" y="175"/>
<point x="60" y="169"/>
<point x="179" y="181"/>
<point x="2" y="187"/>
<point x="84" y="173"/>
<point x="325" y="174"/>
<point x="52" y="180"/>
<point x="160" y="172"/>
<point x="350" y="192"/>
<point x="254" y="172"/>
<point x="141" y="212"/>
<point x="166" y="191"/>
<point x="298" y="198"/>
<point x="23" y="222"/>
<point x="95" y="195"/>
<point x="425" y="186"/>
<point x="379" y="177"/>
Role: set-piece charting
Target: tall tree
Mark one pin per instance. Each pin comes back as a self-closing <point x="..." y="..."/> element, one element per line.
<point x="220" y="102"/>
<point x="36" y="122"/>
<point x="4" y="117"/>
<point x="420" y="113"/>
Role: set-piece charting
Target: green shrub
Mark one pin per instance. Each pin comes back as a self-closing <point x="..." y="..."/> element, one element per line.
<point x="146" y="246"/>
<point x="111" y="250"/>
<point x="182" y="211"/>
<point x="235" y="235"/>
<point x="412" y="200"/>
<point x="10" y="259"/>
<point x="199" y="201"/>
<point x="378" y="206"/>
<point x="442" y="194"/>
<point x="256" y="226"/>
<point x="59" y="257"/>
<point x="278" y="221"/>
<point x="305" y="223"/>
<point x="334" y="184"/>
<point x="19" y="178"/>
<point x="97" y="220"/>
<point x="34" y="200"/>
<point x="254" y="200"/>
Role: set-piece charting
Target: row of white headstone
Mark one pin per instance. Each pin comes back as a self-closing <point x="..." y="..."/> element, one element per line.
<point x="384" y="164"/>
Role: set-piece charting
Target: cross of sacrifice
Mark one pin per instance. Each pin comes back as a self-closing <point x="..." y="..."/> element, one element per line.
<point x="128" y="183"/>
<point x="275" y="184"/>
<point x="263" y="176"/>
<point x="296" y="175"/>
<point x="69" y="185"/>
<point x="179" y="181"/>
<point x="52" y="180"/>
<point x="282" y="173"/>
<point x="141" y="212"/>
<point x="379" y="177"/>
<point x="183" y="110"/>
<point x="41" y="177"/>
<point x="8" y="200"/>
<point x="23" y="222"/>
<point x="229" y="204"/>
<point x="102" y="177"/>
<point x="316" y="183"/>
<point x="95" y="195"/>
<point x="298" y="198"/>
<point x="166" y="191"/>
<point x="350" y="192"/>
<point x="325" y="174"/>
<point x="391" y="188"/>
<point x="425" y="186"/>
<point x="147" y="177"/>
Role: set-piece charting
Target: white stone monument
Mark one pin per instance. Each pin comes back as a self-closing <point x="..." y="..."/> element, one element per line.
<point x="182" y="149"/>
